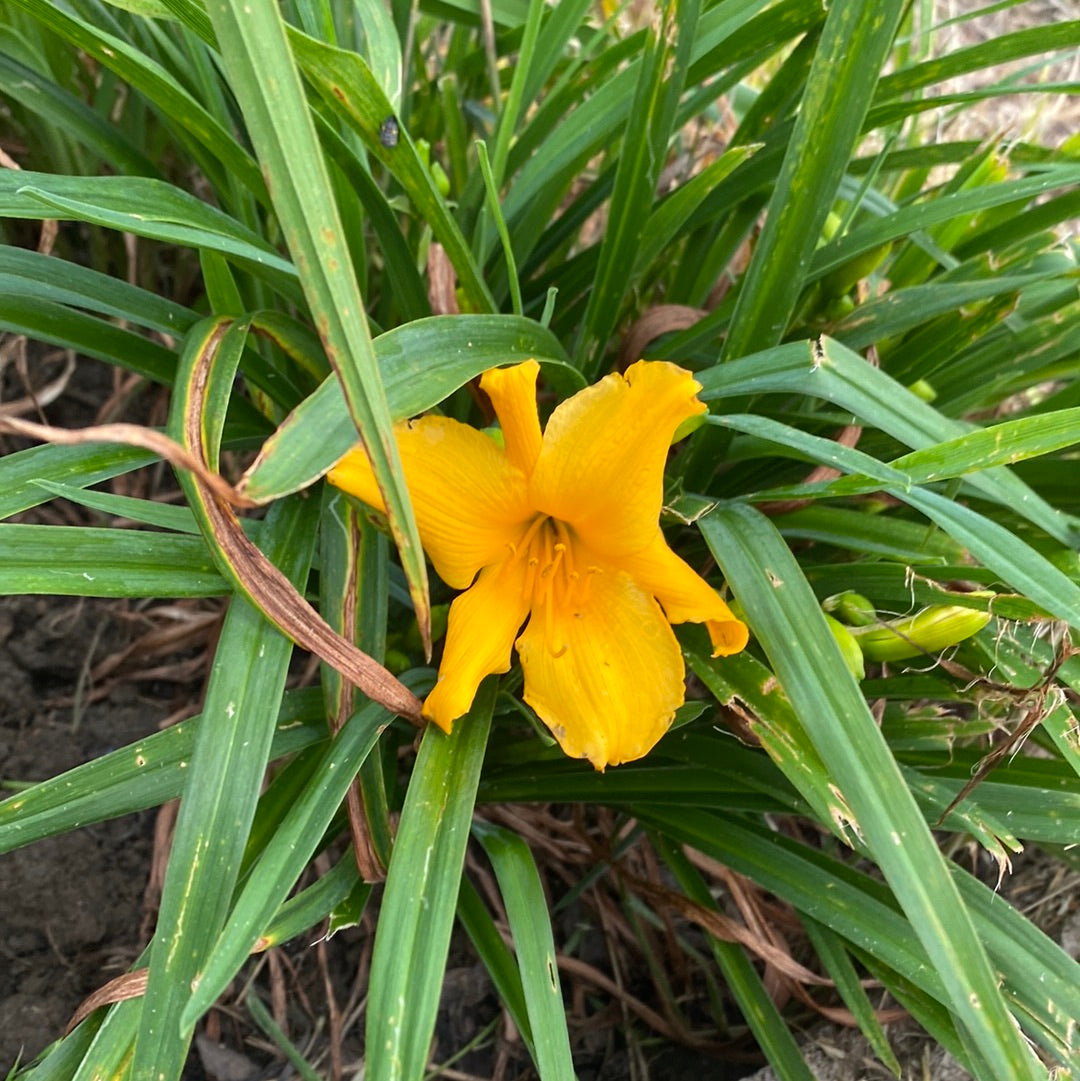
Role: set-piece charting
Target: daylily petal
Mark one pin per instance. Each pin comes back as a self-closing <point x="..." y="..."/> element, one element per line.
<point x="513" y="394"/>
<point x="469" y="499"/>
<point x="483" y="624"/>
<point x="686" y="596"/>
<point x="602" y="465"/>
<point x="605" y="675"/>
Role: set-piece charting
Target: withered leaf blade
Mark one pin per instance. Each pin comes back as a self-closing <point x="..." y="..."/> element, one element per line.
<point x="133" y="435"/>
<point x="128" y="985"/>
<point x="255" y="575"/>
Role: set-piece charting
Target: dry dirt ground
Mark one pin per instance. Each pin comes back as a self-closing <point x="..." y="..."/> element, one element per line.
<point x="69" y="906"/>
<point x="74" y="910"/>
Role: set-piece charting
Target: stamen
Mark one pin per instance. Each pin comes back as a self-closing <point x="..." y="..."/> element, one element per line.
<point x="525" y="543"/>
<point x="531" y="576"/>
<point x="562" y="531"/>
<point x="553" y="567"/>
<point x="522" y="548"/>
<point x="553" y="584"/>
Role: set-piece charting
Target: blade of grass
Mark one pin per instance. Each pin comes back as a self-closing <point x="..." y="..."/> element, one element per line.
<point x="47" y="321"/>
<point x="261" y="1015"/>
<point x="495" y="956"/>
<point x="314" y="904"/>
<point x="284" y="858"/>
<point x="756" y="1005"/>
<point x="998" y="50"/>
<point x="828" y="370"/>
<point x="49" y="278"/>
<point x="144" y="511"/>
<point x="902" y="310"/>
<point x="143" y="774"/>
<point x="89" y="562"/>
<point x="665" y="58"/>
<point x="264" y="77"/>
<point x="830" y="949"/>
<point x="354" y="598"/>
<point x="349" y="88"/>
<point x="210" y="143"/>
<point x="403" y="277"/>
<point x="224" y="778"/>
<point x="995" y="546"/>
<point x="21" y="472"/>
<point x="57" y="106"/>
<point x="530" y="924"/>
<point x="413" y="934"/>
<point x="908" y="220"/>
<point x="143" y="206"/>
<point x="786" y="619"/>
<point x="500" y="225"/>
<point x="853" y="48"/>
<point x="422" y="363"/>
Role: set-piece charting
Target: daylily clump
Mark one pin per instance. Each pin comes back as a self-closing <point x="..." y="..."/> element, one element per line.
<point x="557" y="531"/>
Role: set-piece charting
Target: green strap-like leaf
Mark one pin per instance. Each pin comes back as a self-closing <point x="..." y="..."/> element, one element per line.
<point x="285" y="857"/>
<point x="143" y="774"/>
<point x="996" y="547"/>
<point x="48" y="278"/>
<point x="263" y="74"/>
<point x="826" y="369"/>
<point x="224" y="779"/>
<point x="785" y="618"/>
<point x="664" y="60"/>
<point x="81" y="465"/>
<point x="139" y="205"/>
<point x="421" y="364"/>
<point x="530" y="924"/>
<point x="907" y="220"/>
<point x="346" y="82"/>
<point x="900" y="310"/>
<point x="834" y="957"/>
<point x="46" y="321"/>
<point x="417" y="914"/>
<point x="756" y="1004"/>
<point x="210" y="143"/>
<point x="853" y="48"/>
<point x="89" y="562"/>
<point x="59" y="107"/>
<point x="495" y="956"/>
<point x="998" y="50"/>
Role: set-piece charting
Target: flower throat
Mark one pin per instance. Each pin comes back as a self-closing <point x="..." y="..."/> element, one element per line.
<point x="555" y="583"/>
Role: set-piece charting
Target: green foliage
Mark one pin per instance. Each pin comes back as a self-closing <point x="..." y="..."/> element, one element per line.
<point x="307" y="169"/>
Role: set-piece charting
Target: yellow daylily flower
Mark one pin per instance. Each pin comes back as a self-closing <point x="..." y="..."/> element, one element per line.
<point x="557" y="530"/>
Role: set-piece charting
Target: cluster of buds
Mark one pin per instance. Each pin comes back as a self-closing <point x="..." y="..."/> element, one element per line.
<point x="862" y="635"/>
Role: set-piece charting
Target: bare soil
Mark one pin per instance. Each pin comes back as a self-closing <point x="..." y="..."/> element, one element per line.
<point x="70" y="905"/>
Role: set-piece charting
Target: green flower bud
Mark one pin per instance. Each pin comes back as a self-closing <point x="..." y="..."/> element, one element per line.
<point x="851" y="608"/>
<point x="839" y="308"/>
<point x="442" y="181"/>
<point x="931" y="630"/>
<point x="839" y="281"/>
<point x="922" y="389"/>
<point x="849" y="647"/>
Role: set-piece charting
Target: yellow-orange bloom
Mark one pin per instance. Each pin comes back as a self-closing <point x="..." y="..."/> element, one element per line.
<point x="558" y="530"/>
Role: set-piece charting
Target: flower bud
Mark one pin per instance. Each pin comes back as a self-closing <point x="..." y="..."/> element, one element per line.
<point x="849" y="647"/>
<point x="851" y="608"/>
<point x="931" y="630"/>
